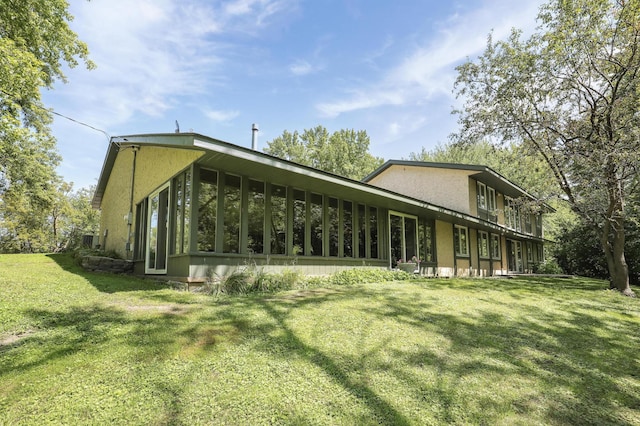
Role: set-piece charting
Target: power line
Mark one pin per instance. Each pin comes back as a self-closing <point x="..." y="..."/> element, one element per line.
<point x="15" y="99"/>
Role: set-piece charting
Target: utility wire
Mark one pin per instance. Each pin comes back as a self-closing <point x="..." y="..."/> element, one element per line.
<point x="15" y="99"/>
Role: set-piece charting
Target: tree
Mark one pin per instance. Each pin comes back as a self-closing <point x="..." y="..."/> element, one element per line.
<point x="344" y="152"/>
<point x="80" y="219"/>
<point x="569" y="93"/>
<point x="35" y="43"/>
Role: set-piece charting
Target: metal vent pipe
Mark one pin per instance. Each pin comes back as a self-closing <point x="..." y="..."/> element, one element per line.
<point x="254" y="136"/>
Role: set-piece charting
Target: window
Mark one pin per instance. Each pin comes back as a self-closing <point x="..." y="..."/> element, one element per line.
<point x="181" y="213"/>
<point x="255" y="237"/>
<point x="491" y="200"/>
<point x="482" y="196"/>
<point x="529" y="251"/>
<point x="299" y="221"/>
<point x="315" y="222"/>
<point x="278" y="219"/>
<point x="527" y="223"/>
<point x="231" y="230"/>
<point x="334" y="226"/>
<point x="461" y="240"/>
<point x="347" y="215"/>
<point x="207" y="210"/>
<point x="483" y="244"/>
<point x="140" y="242"/>
<point x="512" y="214"/>
<point x="425" y="235"/>
<point x="373" y="232"/>
<point x="186" y="221"/>
<point x="362" y="232"/>
<point x="495" y="247"/>
<point x="178" y="206"/>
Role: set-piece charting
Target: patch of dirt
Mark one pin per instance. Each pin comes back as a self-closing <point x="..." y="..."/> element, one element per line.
<point x="306" y="294"/>
<point x="165" y="309"/>
<point x="12" y="339"/>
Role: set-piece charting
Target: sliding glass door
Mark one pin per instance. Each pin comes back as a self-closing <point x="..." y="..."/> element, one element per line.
<point x="157" y="232"/>
<point x="403" y="237"/>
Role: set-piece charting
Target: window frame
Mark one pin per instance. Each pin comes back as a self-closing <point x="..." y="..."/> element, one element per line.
<point x="487" y="245"/>
<point x="457" y="241"/>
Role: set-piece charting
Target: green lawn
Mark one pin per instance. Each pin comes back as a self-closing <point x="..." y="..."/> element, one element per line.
<point x="82" y="348"/>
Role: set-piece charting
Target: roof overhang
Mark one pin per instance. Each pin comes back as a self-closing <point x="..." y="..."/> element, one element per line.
<point x="238" y="159"/>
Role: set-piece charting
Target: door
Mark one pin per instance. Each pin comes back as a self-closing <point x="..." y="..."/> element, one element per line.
<point x="157" y="238"/>
<point x="403" y="238"/>
<point x="514" y="255"/>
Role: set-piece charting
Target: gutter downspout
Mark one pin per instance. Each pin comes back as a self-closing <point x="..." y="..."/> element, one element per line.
<point x="135" y="149"/>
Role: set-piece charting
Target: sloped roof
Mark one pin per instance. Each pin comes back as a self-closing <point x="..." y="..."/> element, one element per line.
<point x="238" y="156"/>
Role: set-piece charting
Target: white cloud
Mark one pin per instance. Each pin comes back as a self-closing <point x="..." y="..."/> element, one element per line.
<point x="221" y="116"/>
<point x="149" y="53"/>
<point x="430" y="69"/>
<point x="301" y="68"/>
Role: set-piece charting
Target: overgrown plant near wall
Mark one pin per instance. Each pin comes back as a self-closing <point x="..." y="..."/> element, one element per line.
<point x="253" y="279"/>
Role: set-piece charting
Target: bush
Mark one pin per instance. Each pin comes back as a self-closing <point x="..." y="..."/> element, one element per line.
<point x="252" y="279"/>
<point x="579" y="252"/>
<point x="363" y="276"/>
<point x="549" y="266"/>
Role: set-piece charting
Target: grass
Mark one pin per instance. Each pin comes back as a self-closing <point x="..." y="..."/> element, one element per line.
<point x="84" y="348"/>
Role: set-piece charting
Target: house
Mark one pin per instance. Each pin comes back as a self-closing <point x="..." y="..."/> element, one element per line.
<point x="186" y="206"/>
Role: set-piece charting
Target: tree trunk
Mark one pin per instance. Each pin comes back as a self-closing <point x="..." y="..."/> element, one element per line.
<point x="612" y="240"/>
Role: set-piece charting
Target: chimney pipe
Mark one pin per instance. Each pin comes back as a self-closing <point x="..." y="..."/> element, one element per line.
<point x="254" y="136"/>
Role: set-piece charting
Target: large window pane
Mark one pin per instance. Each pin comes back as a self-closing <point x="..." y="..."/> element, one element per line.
<point x="255" y="240"/>
<point x="299" y="222"/>
<point x="315" y="221"/>
<point x="410" y="235"/>
<point x="231" y="214"/>
<point x="334" y="226"/>
<point x="207" y="210"/>
<point x="496" y="253"/>
<point x="397" y="240"/>
<point x="348" y="228"/>
<point x="178" y="185"/>
<point x="186" y="247"/>
<point x="362" y="232"/>
<point x="278" y="219"/>
<point x="425" y="234"/>
<point x="373" y="231"/>
<point x="461" y="242"/>
<point x="483" y="244"/>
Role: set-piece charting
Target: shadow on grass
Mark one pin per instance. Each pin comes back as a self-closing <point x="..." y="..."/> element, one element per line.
<point x="585" y="365"/>
<point x="578" y="355"/>
<point x="103" y="281"/>
<point x="382" y="411"/>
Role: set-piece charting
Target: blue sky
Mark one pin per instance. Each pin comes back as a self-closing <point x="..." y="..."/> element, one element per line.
<point x="216" y="67"/>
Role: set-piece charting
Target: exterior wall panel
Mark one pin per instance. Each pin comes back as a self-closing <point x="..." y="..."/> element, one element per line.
<point x="154" y="166"/>
<point x="444" y="248"/>
<point x="443" y="187"/>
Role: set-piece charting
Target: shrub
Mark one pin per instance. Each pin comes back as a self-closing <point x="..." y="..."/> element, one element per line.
<point x="252" y="279"/>
<point x="363" y="276"/>
<point x="549" y="266"/>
